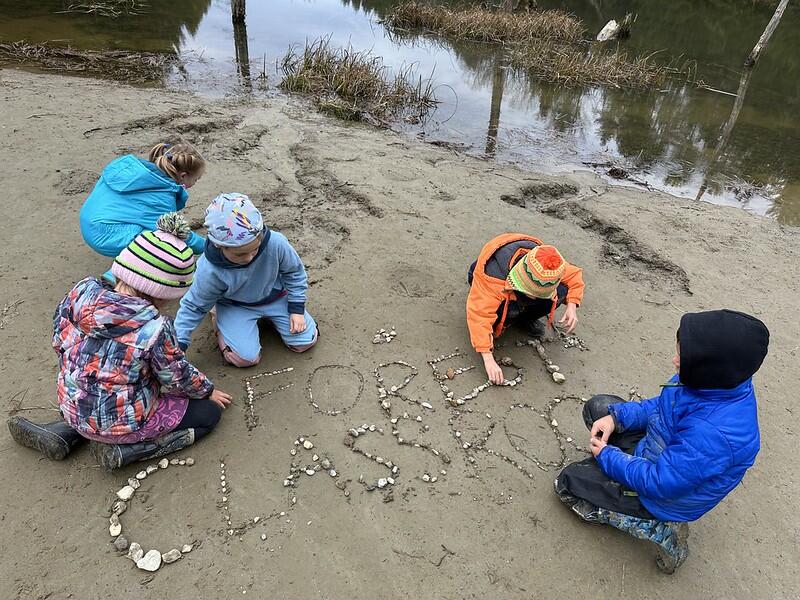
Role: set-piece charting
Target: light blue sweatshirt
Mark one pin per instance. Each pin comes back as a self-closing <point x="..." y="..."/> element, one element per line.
<point x="276" y="269"/>
<point x="129" y="198"/>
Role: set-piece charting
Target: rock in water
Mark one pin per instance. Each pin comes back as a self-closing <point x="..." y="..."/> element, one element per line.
<point x="135" y="552"/>
<point x="171" y="556"/>
<point x="150" y="561"/>
<point x="121" y="544"/>
<point x="559" y="378"/>
<point x="609" y="31"/>
<point x="125" y="493"/>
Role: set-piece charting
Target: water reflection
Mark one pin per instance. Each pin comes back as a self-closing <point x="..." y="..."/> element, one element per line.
<point x="669" y="138"/>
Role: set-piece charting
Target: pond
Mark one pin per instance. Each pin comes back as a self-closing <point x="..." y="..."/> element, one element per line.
<point x="666" y="139"/>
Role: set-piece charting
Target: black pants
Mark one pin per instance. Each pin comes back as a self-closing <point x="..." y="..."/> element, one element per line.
<point x="585" y="479"/>
<point x="202" y="416"/>
<point x="525" y="310"/>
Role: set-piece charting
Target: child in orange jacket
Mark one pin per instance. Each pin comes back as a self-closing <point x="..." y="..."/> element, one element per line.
<point x="518" y="278"/>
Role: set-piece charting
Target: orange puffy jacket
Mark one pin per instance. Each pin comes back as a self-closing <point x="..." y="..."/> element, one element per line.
<point x="488" y="293"/>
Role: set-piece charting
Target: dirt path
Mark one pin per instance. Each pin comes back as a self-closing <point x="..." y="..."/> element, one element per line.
<point x="387" y="228"/>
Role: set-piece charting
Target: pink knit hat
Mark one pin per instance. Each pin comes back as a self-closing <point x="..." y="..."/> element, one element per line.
<point x="158" y="263"/>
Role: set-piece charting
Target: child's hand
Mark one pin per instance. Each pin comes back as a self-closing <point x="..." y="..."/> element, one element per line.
<point x="297" y="323"/>
<point x="493" y="370"/>
<point x="220" y="398"/>
<point x="596" y="445"/>
<point x="570" y="317"/>
<point x="603" y="428"/>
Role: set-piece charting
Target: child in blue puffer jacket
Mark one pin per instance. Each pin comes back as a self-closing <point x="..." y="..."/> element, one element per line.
<point x="668" y="460"/>
<point x="133" y="193"/>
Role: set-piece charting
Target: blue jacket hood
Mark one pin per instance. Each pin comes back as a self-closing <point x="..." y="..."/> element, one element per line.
<point x="132" y="174"/>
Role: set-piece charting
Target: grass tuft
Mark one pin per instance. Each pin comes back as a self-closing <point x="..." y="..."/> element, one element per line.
<point x="482" y="25"/>
<point x="354" y="84"/>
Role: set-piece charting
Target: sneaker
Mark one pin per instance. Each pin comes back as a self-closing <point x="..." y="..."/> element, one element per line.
<point x="673" y="554"/>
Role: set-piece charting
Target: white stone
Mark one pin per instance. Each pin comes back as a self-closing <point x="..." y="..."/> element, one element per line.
<point x="287" y="482"/>
<point x="310" y="472"/>
<point x="141" y="475"/>
<point x="189" y="462"/>
<point x="308" y="445"/>
<point x="382" y="482"/>
<point x="151" y="469"/>
<point x="426" y="477"/>
<point x="115" y="529"/>
<point x="333" y="473"/>
<point x="135" y="552"/>
<point x="553" y="368"/>
<point x="559" y="378"/>
<point x="263" y="536"/>
<point x="609" y="31"/>
<point x="163" y="463"/>
<point x="425" y="405"/>
<point x="119" y="507"/>
<point x="186" y="548"/>
<point x="256" y="519"/>
<point x="182" y="462"/>
<point x="150" y="561"/>
<point x="173" y="462"/>
<point x="134" y="483"/>
<point x="125" y="493"/>
<point x="554" y="423"/>
<point x="569" y="439"/>
<point x="171" y="556"/>
<point x="315" y="457"/>
<point x="293" y="452"/>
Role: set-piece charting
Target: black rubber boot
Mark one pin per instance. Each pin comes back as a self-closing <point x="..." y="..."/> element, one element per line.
<point x="55" y="440"/>
<point x="114" y="456"/>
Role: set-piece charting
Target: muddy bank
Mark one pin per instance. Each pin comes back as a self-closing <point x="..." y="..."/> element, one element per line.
<point x="387" y="228"/>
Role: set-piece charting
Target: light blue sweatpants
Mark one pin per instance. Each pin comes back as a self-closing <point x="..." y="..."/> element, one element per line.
<point x="237" y="328"/>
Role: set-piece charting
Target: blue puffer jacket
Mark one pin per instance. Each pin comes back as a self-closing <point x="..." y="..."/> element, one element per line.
<point x="129" y="197"/>
<point x="702" y="431"/>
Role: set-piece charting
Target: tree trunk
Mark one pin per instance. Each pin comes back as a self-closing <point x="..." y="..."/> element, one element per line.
<point x="238" y="10"/>
<point x="764" y="40"/>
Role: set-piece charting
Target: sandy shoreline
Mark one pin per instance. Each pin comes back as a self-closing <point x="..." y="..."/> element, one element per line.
<point x="387" y="228"/>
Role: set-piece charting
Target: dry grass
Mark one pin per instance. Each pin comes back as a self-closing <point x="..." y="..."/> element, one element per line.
<point x="107" y="8"/>
<point x="354" y="84"/>
<point x="482" y="25"/>
<point x="574" y="66"/>
<point x="121" y="65"/>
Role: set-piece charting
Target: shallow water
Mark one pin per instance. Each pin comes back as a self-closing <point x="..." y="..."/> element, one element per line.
<point x="665" y="139"/>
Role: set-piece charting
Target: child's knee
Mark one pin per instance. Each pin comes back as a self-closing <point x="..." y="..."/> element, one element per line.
<point x="240" y="361"/>
<point x="597" y="407"/>
<point x="303" y="347"/>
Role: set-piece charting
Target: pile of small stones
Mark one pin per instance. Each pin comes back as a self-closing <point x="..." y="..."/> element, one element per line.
<point x="152" y="559"/>
<point x="382" y="336"/>
<point x="318" y="464"/>
<point x="332" y="412"/>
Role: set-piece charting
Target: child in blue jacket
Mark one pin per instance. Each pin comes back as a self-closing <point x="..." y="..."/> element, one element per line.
<point x="133" y="193"/>
<point x="668" y="460"/>
<point x="249" y="273"/>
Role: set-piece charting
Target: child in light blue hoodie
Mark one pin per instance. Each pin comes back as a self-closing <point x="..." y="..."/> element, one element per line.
<point x="248" y="272"/>
<point x="133" y="193"/>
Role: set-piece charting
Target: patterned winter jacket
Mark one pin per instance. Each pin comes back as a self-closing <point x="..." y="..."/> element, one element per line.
<point x="115" y="354"/>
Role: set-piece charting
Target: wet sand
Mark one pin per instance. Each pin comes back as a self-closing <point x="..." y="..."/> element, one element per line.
<point x="387" y="228"/>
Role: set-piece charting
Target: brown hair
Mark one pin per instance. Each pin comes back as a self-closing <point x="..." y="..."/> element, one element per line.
<point x="174" y="159"/>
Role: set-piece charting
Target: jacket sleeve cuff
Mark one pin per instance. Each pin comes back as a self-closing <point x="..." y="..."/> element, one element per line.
<point x="619" y="426"/>
<point x="297" y="308"/>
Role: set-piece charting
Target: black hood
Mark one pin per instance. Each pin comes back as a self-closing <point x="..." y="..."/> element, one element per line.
<point x="720" y="349"/>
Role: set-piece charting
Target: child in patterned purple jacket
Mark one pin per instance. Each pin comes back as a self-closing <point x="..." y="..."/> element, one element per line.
<point x="116" y="353"/>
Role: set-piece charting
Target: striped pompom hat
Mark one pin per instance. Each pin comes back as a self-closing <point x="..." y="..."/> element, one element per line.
<point x="158" y="263"/>
<point x="538" y="273"/>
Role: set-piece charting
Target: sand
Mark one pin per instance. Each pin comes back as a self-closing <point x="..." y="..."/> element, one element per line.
<point x="387" y="228"/>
